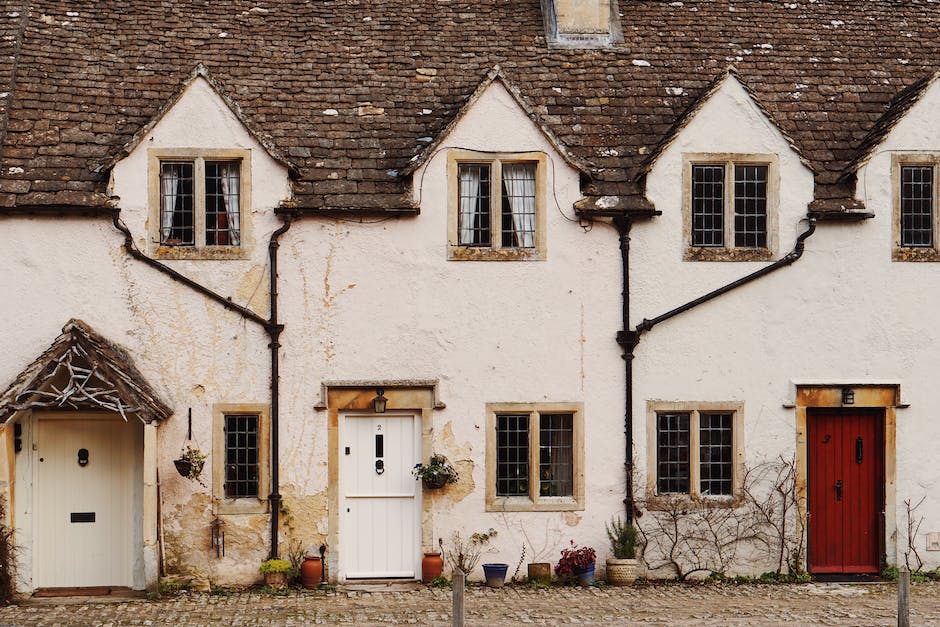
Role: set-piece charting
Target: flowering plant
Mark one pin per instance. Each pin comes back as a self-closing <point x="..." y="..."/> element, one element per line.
<point x="438" y="470"/>
<point x="575" y="560"/>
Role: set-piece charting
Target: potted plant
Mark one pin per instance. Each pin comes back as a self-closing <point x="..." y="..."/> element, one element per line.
<point x="190" y="462"/>
<point x="276" y="573"/>
<point x="622" y="565"/>
<point x="577" y="563"/>
<point x="436" y="473"/>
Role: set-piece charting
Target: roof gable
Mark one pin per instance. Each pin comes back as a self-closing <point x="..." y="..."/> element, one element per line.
<point x="897" y="110"/>
<point x="82" y="370"/>
<point x="201" y="75"/>
<point x="728" y="82"/>
<point x="495" y="76"/>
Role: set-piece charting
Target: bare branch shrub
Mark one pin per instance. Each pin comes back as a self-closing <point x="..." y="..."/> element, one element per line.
<point x="693" y="536"/>
<point x="913" y="528"/>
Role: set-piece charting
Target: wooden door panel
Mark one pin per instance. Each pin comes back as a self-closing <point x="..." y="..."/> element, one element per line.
<point x="845" y="449"/>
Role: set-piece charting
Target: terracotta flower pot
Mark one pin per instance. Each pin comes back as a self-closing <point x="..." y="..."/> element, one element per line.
<point x="311" y="570"/>
<point x="431" y="566"/>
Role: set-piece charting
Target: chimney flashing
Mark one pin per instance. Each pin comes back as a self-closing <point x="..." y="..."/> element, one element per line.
<point x="566" y="36"/>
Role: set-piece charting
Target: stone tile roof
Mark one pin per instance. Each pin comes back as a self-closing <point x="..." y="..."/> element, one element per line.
<point x="78" y="366"/>
<point x="351" y="91"/>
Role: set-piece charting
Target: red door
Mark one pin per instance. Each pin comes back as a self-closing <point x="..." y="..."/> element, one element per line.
<point x="846" y="490"/>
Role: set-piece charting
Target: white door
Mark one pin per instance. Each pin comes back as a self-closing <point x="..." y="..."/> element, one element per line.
<point x="380" y="512"/>
<point x="84" y="506"/>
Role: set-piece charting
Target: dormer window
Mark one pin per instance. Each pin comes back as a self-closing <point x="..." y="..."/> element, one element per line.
<point x="497" y="206"/>
<point x="729" y="207"/>
<point x="200" y="203"/>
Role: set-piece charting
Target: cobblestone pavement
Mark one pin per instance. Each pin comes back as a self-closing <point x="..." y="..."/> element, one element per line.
<point x="711" y="605"/>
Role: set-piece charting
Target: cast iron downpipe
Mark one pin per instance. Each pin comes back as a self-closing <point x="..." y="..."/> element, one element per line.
<point x="628" y="339"/>
<point x="271" y="327"/>
<point x="274" y="331"/>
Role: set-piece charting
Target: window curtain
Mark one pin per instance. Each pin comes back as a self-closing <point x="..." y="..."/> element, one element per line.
<point x="230" y="218"/>
<point x="170" y="182"/>
<point x="469" y="203"/>
<point x="519" y="183"/>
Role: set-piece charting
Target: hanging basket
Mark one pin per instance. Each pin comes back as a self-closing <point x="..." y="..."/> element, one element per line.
<point x="435" y="483"/>
<point x="183" y="466"/>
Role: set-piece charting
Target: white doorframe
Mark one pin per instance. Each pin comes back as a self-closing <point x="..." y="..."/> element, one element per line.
<point x="344" y="532"/>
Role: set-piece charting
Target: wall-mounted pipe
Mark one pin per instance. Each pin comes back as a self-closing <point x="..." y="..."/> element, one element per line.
<point x="271" y="326"/>
<point x="274" y="330"/>
<point x="628" y="339"/>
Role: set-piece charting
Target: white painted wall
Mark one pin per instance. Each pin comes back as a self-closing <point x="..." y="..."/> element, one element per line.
<point x="844" y="312"/>
<point x="379" y="300"/>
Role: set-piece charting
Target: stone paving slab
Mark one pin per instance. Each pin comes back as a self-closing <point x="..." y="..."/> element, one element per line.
<point x="660" y="604"/>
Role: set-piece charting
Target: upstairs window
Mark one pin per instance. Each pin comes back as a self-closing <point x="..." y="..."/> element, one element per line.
<point x="917" y="206"/>
<point x="497" y="206"/>
<point x="200" y="203"/>
<point x="730" y="203"/>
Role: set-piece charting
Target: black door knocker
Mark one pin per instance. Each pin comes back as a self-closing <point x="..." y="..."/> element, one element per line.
<point x="83" y="457"/>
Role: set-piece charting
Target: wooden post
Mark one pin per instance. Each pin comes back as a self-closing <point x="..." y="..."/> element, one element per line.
<point x="904" y="597"/>
<point x="458" y="590"/>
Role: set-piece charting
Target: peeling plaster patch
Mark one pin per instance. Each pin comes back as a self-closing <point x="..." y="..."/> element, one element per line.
<point x="460" y="457"/>
<point x="303" y="521"/>
<point x="328" y="300"/>
<point x="250" y="289"/>
<point x="572" y="519"/>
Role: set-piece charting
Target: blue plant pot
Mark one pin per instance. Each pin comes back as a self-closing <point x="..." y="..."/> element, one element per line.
<point x="495" y="574"/>
<point x="585" y="577"/>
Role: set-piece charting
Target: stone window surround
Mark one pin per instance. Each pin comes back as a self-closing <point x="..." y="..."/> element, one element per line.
<point x="199" y="156"/>
<point x="695" y="409"/>
<point x="729" y="252"/>
<point x="250" y="505"/>
<point x="456" y="252"/>
<point x="533" y="502"/>
<point x="909" y="253"/>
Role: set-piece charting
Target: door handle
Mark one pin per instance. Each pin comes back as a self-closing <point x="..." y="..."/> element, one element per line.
<point x="838" y="487"/>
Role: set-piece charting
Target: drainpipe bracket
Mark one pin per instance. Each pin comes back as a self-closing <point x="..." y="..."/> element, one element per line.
<point x="628" y="339"/>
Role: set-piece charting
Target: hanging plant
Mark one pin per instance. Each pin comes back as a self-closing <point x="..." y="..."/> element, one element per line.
<point x="190" y="462"/>
<point x="437" y="473"/>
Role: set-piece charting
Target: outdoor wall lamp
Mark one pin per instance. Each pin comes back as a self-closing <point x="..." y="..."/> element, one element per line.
<point x="848" y="396"/>
<point x="379" y="402"/>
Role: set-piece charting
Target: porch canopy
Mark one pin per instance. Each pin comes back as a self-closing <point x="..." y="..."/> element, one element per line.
<point x="82" y="370"/>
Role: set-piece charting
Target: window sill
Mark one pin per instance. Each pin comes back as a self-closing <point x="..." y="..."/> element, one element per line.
<point x="702" y="253"/>
<point x="666" y="502"/>
<point x="901" y="253"/>
<point x="544" y="504"/>
<point x="207" y="253"/>
<point x="483" y="253"/>
<point x="241" y="506"/>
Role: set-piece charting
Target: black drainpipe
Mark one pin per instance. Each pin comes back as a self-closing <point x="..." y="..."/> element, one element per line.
<point x="628" y="339"/>
<point x="274" y="331"/>
<point x="271" y="327"/>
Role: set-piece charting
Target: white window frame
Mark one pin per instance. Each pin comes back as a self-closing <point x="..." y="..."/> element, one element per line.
<point x="730" y="252"/>
<point x="695" y="409"/>
<point x="198" y="157"/>
<point x="495" y="251"/>
<point x="534" y="502"/>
